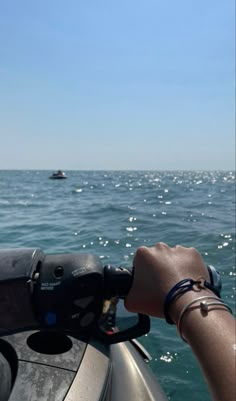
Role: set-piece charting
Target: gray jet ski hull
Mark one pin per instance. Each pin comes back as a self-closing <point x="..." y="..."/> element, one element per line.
<point x="75" y="370"/>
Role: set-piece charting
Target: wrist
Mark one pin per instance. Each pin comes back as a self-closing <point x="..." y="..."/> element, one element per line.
<point x="194" y="313"/>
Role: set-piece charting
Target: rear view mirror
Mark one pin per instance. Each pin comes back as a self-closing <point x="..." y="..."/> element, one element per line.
<point x="116" y="324"/>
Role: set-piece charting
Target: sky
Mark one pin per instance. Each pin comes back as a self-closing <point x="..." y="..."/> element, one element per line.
<point x="117" y="85"/>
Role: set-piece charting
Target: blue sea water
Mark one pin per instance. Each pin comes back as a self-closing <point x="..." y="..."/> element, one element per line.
<point x="110" y="214"/>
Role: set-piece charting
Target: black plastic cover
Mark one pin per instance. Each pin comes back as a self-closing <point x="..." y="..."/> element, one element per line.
<point x="17" y="268"/>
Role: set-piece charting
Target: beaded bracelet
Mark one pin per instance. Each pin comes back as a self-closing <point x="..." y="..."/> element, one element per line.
<point x="181" y="288"/>
<point x="204" y="307"/>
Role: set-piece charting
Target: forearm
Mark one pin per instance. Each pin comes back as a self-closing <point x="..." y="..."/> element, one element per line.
<point x="212" y="339"/>
<point x="166" y="282"/>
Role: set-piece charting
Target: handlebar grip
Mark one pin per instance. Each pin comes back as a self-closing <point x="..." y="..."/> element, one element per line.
<point x="117" y="281"/>
<point x="215" y="279"/>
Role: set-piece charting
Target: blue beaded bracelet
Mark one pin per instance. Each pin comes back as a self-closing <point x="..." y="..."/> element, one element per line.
<point x="181" y="288"/>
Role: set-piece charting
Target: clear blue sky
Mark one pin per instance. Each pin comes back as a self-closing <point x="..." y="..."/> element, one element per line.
<point x="128" y="84"/>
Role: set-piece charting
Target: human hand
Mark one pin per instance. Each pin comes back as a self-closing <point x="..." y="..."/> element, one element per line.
<point x="156" y="270"/>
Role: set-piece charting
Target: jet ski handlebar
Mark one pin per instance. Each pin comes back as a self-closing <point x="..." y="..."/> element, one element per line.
<point x="62" y="292"/>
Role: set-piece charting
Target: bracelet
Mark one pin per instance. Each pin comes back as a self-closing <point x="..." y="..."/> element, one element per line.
<point x="204" y="307"/>
<point x="181" y="288"/>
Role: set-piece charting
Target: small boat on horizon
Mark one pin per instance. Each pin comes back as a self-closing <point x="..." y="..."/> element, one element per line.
<point x="58" y="175"/>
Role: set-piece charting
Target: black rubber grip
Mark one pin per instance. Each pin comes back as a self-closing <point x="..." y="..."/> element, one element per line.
<point x="117" y="281"/>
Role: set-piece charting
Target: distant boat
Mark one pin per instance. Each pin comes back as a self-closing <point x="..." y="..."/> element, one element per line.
<point x="59" y="175"/>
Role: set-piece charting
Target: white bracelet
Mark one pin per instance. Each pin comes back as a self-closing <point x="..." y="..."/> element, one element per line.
<point x="204" y="307"/>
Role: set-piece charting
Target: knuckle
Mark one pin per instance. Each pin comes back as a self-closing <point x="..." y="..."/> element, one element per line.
<point x="178" y="247"/>
<point x="161" y="245"/>
<point x="194" y="252"/>
<point x="141" y="251"/>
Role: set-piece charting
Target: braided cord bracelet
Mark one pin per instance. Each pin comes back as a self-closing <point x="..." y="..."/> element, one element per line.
<point x="181" y="288"/>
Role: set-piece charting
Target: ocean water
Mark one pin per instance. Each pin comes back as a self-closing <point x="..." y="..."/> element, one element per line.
<point x="110" y="214"/>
